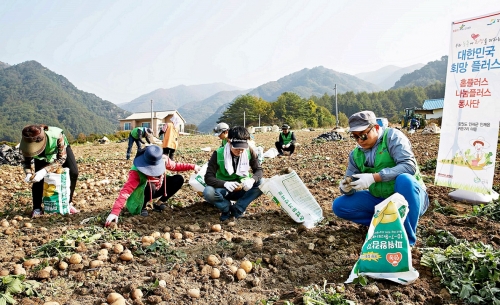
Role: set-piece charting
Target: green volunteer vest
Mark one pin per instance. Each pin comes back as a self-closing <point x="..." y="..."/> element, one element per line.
<point x="51" y="146"/>
<point x="222" y="173"/>
<point x="136" y="200"/>
<point x="135" y="132"/>
<point x="382" y="160"/>
<point x="286" y="138"/>
<point x="224" y="142"/>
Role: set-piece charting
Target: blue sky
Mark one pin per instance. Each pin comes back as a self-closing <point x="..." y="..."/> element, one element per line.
<point x="120" y="50"/>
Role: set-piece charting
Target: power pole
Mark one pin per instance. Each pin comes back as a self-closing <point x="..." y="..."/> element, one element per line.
<point x="336" y="108"/>
<point x="244" y="124"/>
<point x="154" y="133"/>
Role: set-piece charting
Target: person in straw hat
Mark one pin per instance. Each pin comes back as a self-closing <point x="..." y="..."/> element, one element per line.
<point x="46" y="149"/>
<point x="147" y="180"/>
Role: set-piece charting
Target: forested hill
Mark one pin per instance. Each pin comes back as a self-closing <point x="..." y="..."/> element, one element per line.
<point x="432" y="72"/>
<point x="32" y="94"/>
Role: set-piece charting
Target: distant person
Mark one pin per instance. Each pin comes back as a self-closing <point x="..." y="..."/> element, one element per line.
<point x="136" y="135"/>
<point x="384" y="164"/>
<point x="170" y="132"/>
<point x="286" y="141"/>
<point x="414" y="124"/>
<point x="233" y="174"/>
<point x="147" y="180"/>
<point x="49" y="150"/>
<point x="222" y="130"/>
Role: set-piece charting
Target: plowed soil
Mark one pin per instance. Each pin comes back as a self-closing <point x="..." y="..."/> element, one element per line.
<point x="286" y="256"/>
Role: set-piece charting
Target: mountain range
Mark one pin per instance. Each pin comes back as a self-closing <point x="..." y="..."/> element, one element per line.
<point x="36" y="94"/>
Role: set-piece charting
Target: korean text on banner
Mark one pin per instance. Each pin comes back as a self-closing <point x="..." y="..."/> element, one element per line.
<point x="56" y="192"/>
<point x="469" y="132"/>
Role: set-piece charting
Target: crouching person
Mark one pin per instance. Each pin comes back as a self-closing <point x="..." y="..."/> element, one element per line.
<point x="147" y="180"/>
<point x="228" y="176"/>
<point x="382" y="164"/>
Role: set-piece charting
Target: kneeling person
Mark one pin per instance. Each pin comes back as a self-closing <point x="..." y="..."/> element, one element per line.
<point x="228" y="176"/>
<point x="147" y="180"/>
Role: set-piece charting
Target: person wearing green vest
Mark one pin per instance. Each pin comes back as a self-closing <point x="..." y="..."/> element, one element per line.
<point x="228" y="176"/>
<point x="286" y="141"/>
<point x="221" y="131"/>
<point x="136" y="136"/>
<point x="147" y="180"/>
<point x="382" y="164"/>
<point x="45" y="150"/>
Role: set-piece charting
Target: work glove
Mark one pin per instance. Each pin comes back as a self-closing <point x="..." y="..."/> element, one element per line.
<point x="283" y="146"/>
<point x="28" y="178"/>
<point x="345" y="186"/>
<point x="231" y="185"/>
<point x="364" y="181"/>
<point x="197" y="169"/>
<point x="248" y="183"/>
<point x="39" y="175"/>
<point x="110" y="219"/>
<point x="288" y="145"/>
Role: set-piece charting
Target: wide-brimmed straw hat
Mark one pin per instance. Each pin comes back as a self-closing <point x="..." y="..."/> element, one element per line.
<point x="150" y="162"/>
<point x="33" y="140"/>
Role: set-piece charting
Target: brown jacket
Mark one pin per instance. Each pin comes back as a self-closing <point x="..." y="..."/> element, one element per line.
<point x="171" y="137"/>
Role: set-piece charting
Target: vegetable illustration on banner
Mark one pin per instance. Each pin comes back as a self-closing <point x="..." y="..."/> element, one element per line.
<point x="469" y="132"/>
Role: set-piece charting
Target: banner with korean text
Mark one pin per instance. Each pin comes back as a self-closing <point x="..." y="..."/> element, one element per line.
<point x="471" y="114"/>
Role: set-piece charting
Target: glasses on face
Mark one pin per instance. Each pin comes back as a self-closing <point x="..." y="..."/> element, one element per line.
<point x="362" y="137"/>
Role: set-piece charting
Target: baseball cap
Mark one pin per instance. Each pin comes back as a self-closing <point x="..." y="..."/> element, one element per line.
<point x="239" y="143"/>
<point x="362" y="120"/>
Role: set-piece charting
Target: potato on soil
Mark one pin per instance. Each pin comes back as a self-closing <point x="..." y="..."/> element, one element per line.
<point x="215" y="274"/>
<point x="63" y="265"/>
<point x="156" y="234"/>
<point x="136" y="294"/>
<point x="118" y="248"/>
<point x="246" y="265"/>
<point x="31" y="262"/>
<point x="228" y="261"/>
<point x="241" y="274"/>
<point x="233" y="269"/>
<point x="75" y="258"/>
<point x="113" y="297"/>
<point x="95" y="264"/>
<point x="216" y="228"/>
<point x="194" y="293"/>
<point x="106" y="245"/>
<point x="213" y="260"/>
<point x="126" y="256"/>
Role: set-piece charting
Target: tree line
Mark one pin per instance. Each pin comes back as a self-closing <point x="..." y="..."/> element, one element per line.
<point x="319" y="111"/>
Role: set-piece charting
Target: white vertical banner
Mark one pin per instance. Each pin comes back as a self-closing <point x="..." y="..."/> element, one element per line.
<point x="471" y="114"/>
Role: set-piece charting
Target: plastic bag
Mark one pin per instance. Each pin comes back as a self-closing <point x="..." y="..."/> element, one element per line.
<point x="386" y="253"/>
<point x="197" y="181"/>
<point x="271" y="153"/>
<point x="56" y="192"/>
<point x="290" y="193"/>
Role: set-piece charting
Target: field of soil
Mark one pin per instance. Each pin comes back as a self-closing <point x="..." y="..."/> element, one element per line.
<point x="286" y="257"/>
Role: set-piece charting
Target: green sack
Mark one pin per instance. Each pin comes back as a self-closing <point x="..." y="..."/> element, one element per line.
<point x="56" y="192"/>
<point x="386" y="253"/>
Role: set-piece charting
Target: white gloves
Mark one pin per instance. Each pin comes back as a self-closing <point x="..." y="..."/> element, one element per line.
<point x="248" y="183"/>
<point x="283" y="146"/>
<point x="345" y="187"/>
<point x="197" y="169"/>
<point x="110" y="219"/>
<point x="231" y="185"/>
<point x="39" y="175"/>
<point x="364" y="181"/>
<point x="288" y="145"/>
<point x="28" y="178"/>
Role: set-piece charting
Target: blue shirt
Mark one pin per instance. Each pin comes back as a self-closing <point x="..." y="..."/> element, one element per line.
<point x="400" y="150"/>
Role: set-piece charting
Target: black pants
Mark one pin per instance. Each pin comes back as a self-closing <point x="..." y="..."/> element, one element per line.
<point x="169" y="152"/>
<point x="37" y="188"/>
<point x="280" y="148"/>
<point x="172" y="183"/>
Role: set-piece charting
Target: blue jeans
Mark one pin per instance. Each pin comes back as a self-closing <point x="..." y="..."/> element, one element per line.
<point x="131" y="141"/>
<point x="359" y="207"/>
<point x="221" y="197"/>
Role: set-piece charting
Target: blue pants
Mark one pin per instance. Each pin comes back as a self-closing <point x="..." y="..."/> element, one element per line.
<point x="359" y="207"/>
<point x="221" y="197"/>
<point x="131" y="141"/>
